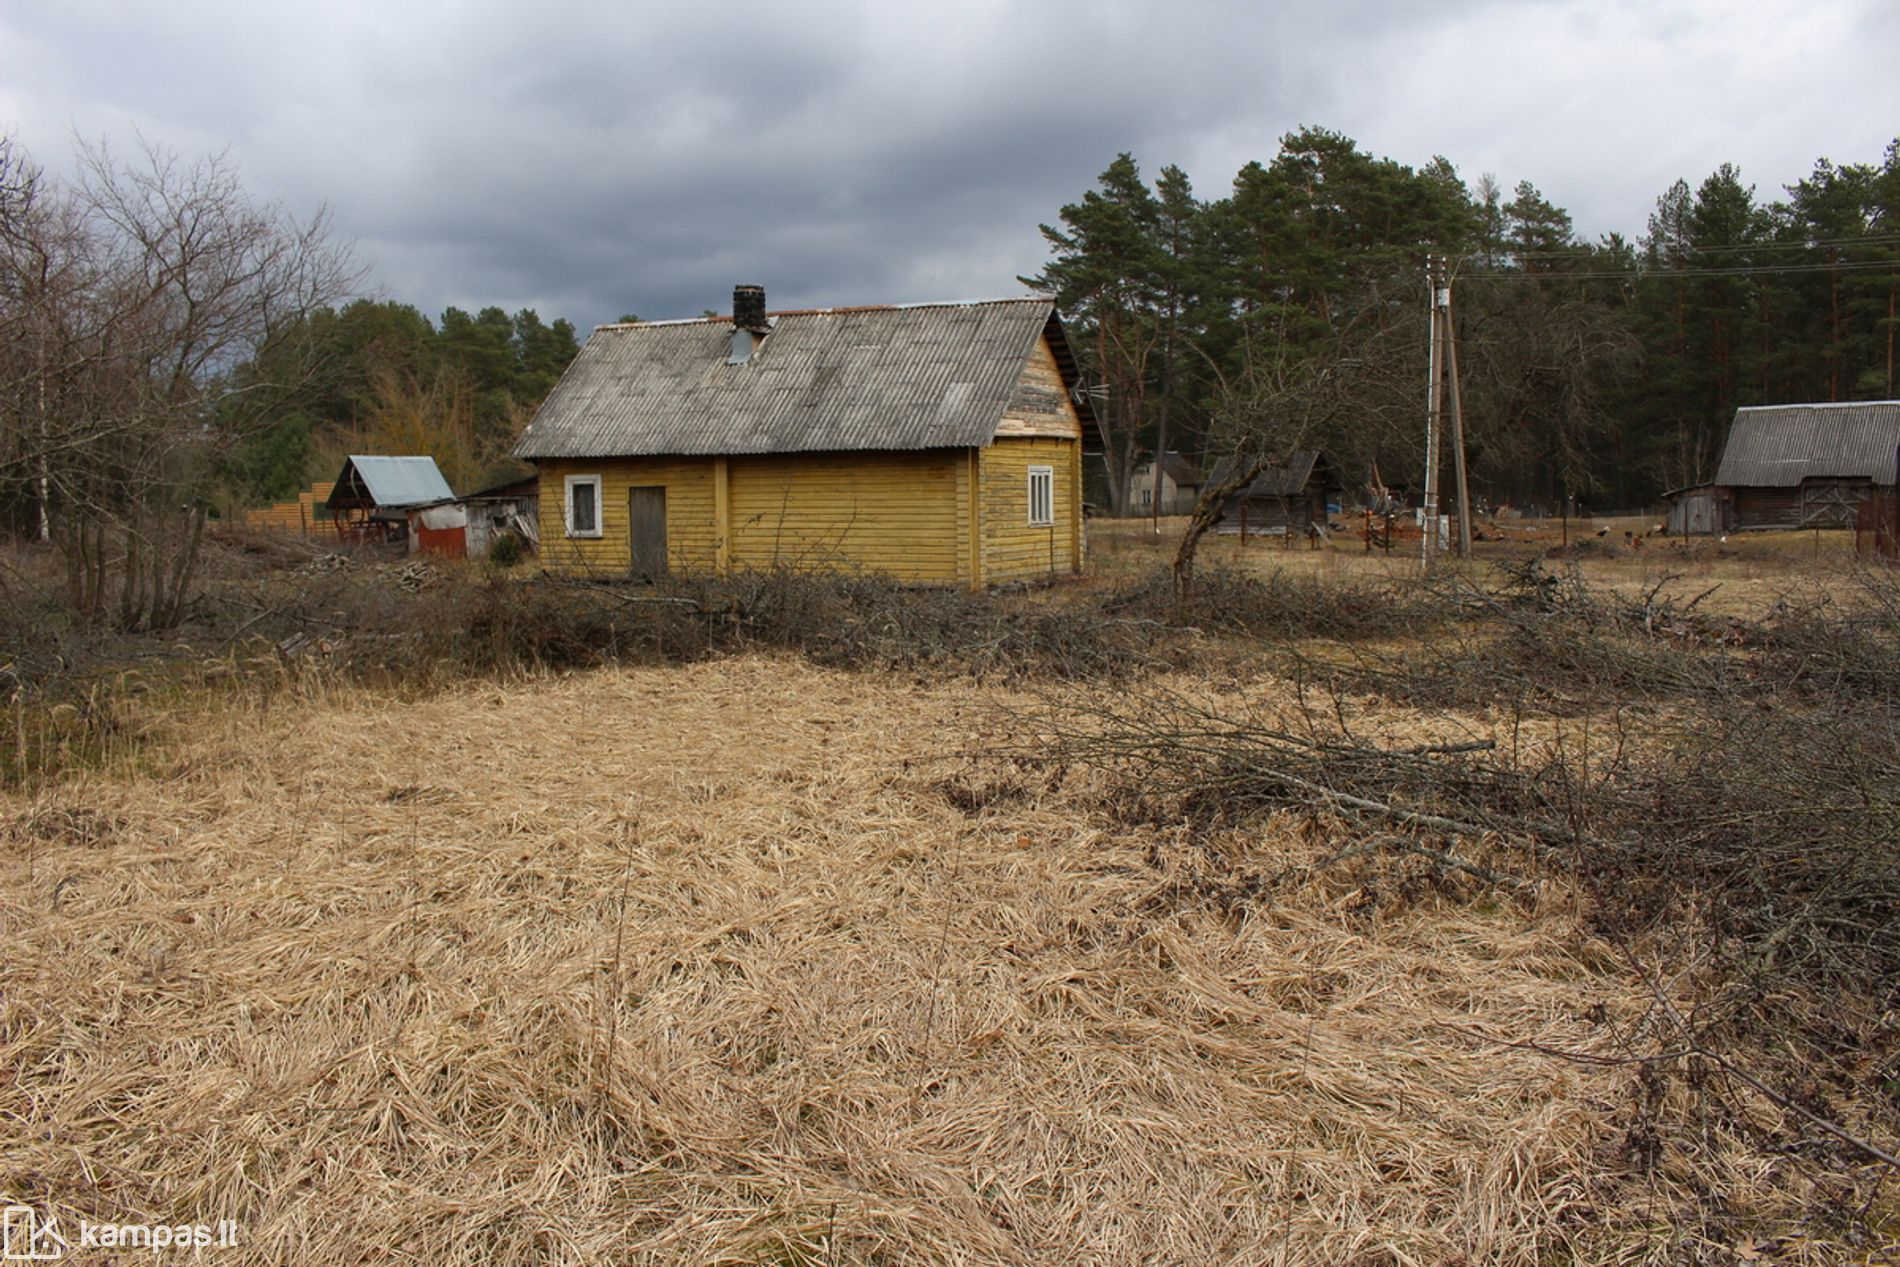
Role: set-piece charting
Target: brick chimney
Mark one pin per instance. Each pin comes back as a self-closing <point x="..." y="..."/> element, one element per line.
<point x="749" y="326"/>
<point x="748" y="309"/>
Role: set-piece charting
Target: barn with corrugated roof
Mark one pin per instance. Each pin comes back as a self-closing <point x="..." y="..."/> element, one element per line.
<point x="930" y="442"/>
<point x="1800" y="466"/>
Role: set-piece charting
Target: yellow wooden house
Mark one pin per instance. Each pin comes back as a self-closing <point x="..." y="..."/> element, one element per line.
<point x="935" y="443"/>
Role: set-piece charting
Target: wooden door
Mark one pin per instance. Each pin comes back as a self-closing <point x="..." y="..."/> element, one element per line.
<point x="646" y="528"/>
<point x="1831" y="503"/>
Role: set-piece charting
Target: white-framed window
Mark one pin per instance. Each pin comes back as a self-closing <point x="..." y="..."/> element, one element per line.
<point x="1042" y="496"/>
<point x="582" y="506"/>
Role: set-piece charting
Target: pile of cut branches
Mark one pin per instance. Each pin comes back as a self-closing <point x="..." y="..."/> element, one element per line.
<point x="1725" y="794"/>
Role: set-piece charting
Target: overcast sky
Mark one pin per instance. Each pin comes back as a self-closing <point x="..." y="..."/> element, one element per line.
<point x="623" y="156"/>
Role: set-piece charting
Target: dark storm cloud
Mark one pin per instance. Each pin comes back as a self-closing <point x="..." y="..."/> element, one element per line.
<point x="591" y="160"/>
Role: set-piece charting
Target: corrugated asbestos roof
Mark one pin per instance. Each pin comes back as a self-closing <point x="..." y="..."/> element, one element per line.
<point x="390" y="481"/>
<point x="1778" y="446"/>
<point x="1273" y="481"/>
<point x="915" y="377"/>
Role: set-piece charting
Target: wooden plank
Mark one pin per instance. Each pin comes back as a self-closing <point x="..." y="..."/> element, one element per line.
<point x="722" y="515"/>
<point x="894" y="513"/>
<point x="933" y="516"/>
<point x="1040" y="405"/>
<point x="691" y="545"/>
<point x="973" y="510"/>
<point x="1013" y="548"/>
<point x="1075" y="506"/>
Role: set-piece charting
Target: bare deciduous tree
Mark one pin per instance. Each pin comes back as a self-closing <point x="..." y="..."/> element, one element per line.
<point x="132" y="298"/>
<point x="1281" y="400"/>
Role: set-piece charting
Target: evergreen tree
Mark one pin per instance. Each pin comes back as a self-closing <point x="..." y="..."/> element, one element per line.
<point x="1884" y="227"/>
<point x="1834" y="210"/>
<point x="379" y="374"/>
<point x="1539" y="234"/>
<point x="1106" y="274"/>
<point x="1611" y="369"/>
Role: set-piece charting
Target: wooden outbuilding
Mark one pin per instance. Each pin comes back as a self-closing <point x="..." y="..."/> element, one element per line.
<point x="936" y="443"/>
<point x="512" y="507"/>
<point x="1701" y="510"/>
<point x="467" y="527"/>
<point x="1281" y="499"/>
<point x="1806" y="466"/>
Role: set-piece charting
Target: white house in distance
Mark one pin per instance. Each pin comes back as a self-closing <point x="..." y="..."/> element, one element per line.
<point x="1181" y="482"/>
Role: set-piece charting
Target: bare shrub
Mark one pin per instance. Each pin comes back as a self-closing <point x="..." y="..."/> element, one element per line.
<point x="131" y="300"/>
<point x="1838" y="647"/>
<point x="1547" y="640"/>
<point x="465" y="620"/>
<point x="1283" y="606"/>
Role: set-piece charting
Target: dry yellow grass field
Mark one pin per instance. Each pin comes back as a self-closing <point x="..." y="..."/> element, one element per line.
<point x="726" y="964"/>
<point x="1745" y="572"/>
<point x="754" y="962"/>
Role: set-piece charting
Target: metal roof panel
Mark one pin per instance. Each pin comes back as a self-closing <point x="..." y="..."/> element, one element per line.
<point x="398" y="481"/>
<point x="1273" y="481"/>
<point x="1778" y="446"/>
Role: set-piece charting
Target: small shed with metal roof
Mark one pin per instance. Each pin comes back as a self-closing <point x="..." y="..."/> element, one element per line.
<point x="930" y="442"/>
<point x="1805" y="466"/>
<point x="373" y="493"/>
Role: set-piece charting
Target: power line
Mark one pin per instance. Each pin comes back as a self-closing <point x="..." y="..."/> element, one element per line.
<point x="1869" y="239"/>
<point x="1640" y="274"/>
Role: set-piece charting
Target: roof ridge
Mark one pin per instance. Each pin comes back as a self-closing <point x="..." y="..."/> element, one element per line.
<point x="835" y="310"/>
<point x="1818" y="404"/>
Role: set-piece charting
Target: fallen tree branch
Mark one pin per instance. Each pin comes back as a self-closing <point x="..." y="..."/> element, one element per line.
<point x="1441" y="857"/>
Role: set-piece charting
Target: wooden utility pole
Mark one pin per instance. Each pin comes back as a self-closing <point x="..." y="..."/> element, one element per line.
<point x="46" y="475"/>
<point x="1161" y="464"/>
<point x="1457" y="428"/>
<point x="1891" y="296"/>
<point x="1428" y="511"/>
